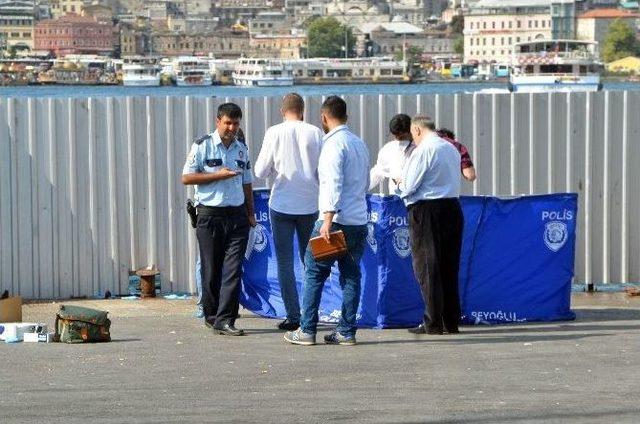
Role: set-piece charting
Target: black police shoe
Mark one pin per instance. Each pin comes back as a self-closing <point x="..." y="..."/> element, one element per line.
<point x="229" y="330"/>
<point x="422" y="329"/>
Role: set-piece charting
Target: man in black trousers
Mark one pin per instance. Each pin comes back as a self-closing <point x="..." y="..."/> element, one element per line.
<point x="430" y="188"/>
<point x="218" y="165"/>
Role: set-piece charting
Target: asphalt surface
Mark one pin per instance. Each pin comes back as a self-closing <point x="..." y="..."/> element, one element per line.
<point x="164" y="366"/>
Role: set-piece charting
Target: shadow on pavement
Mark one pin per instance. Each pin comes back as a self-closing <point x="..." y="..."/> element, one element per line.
<point x="461" y="339"/>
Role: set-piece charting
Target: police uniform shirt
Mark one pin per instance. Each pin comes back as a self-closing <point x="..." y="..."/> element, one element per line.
<point x="432" y="172"/>
<point x="209" y="154"/>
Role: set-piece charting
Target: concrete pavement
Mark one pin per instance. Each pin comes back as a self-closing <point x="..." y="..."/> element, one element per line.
<point x="164" y="366"/>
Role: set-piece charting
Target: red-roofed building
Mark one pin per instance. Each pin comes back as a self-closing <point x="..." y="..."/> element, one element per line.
<point x="74" y="34"/>
<point x="594" y="24"/>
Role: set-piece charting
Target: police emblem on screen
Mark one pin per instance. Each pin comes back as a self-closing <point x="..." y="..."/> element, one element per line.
<point x="555" y="235"/>
<point x="261" y="238"/>
<point x="371" y="237"/>
<point x="401" y="242"/>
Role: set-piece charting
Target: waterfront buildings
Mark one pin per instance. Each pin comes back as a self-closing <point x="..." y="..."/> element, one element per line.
<point x="268" y="23"/>
<point x="390" y="38"/>
<point x="220" y="44"/>
<point x="492" y="27"/>
<point x="232" y="11"/>
<point x="75" y="34"/>
<point x="17" y="20"/>
<point x="594" y="24"/>
<point x="281" y="46"/>
<point x="62" y="7"/>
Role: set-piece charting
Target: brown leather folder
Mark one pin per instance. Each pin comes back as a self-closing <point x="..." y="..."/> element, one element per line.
<point x="334" y="249"/>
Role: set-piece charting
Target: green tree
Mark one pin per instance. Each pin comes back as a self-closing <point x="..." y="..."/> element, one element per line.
<point x="620" y="42"/>
<point x="325" y="38"/>
<point x="457" y="24"/>
<point x="414" y="54"/>
<point x="458" y="45"/>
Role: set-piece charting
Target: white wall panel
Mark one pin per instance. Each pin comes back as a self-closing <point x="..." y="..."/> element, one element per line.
<point x="90" y="188"/>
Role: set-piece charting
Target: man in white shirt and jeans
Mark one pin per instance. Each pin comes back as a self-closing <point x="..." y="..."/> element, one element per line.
<point x="430" y="188"/>
<point x="289" y="155"/>
<point x="344" y="178"/>
<point x="393" y="155"/>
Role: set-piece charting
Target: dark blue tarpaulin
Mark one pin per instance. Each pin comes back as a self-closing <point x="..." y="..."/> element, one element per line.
<point x="516" y="264"/>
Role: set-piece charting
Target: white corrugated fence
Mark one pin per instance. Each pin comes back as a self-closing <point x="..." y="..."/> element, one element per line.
<point x="90" y="188"/>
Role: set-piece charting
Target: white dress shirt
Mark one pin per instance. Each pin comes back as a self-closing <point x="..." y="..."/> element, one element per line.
<point x="391" y="159"/>
<point x="344" y="177"/>
<point x="432" y="171"/>
<point x="289" y="154"/>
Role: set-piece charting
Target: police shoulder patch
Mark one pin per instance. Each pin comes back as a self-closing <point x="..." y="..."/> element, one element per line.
<point x="200" y="140"/>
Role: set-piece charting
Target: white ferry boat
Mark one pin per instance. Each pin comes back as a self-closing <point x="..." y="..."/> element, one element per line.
<point x="191" y="71"/>
<point x="349" y="71"/>
<point x="221" y="71"/>
<point x="262" y="73"/>
<point x="541" y="66"/>
<point x="140" y="71"/>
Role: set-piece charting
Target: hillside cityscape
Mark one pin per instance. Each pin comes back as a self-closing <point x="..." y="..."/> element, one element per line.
<point x="423" y="38"/>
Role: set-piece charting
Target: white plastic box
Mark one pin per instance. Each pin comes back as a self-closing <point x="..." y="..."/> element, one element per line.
<point x="14" y="331"/>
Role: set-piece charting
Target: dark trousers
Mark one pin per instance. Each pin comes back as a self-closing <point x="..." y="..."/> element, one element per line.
<point x="283" y="227"/>
<point x="436" y="239"/>
<point x="222" y="237"/>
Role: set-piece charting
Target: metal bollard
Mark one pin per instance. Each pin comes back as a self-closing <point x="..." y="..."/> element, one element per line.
<point x="147" y="282"/>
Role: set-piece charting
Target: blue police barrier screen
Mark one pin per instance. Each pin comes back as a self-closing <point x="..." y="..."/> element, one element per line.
<point x="516" y="264"/>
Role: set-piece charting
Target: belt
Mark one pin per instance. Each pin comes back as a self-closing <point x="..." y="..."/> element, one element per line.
<point x="220" y="210"/>
<point x="443" y="200"/>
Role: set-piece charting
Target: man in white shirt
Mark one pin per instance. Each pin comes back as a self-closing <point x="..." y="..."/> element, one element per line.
<point x="344" y="178"/>
<point x="289" y="155"/>
<point x="393" y="155"/>
<point x="430" y="188"/>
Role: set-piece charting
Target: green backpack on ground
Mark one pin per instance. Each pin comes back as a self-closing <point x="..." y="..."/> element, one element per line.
<point x="76" y="324"/>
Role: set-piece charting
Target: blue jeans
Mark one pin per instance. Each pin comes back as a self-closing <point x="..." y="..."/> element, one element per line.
<point x="283" y="227"/>
<point x="318" y="271"/>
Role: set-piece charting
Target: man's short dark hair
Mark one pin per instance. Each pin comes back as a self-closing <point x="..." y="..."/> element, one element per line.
<point x="400" y="124"/>
<point x="293" y="102"/>
<point x="335" y="107"/>
<point x="230" y="110"/>
<point x="446" y="133"/>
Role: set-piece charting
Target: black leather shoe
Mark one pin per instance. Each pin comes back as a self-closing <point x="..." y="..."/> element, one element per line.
<point x="229" y="330"/>
<point x="422" y="329"/>
<point x="289" y="325"/>
<point x="452" y="330"/>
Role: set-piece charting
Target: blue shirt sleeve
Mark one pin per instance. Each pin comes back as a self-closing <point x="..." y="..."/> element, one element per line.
<point x="194" y="162"/>
<point x="331" y="177"/>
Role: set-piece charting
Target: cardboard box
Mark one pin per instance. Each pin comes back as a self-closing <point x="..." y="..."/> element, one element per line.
<point x="11" y="309"/>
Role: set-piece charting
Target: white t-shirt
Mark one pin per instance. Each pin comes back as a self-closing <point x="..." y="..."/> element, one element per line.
<point x="289" y="154"/>
<point x="391" y="160"/>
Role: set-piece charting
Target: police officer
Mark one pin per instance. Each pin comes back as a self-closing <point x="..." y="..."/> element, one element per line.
<point x="218" y="165"/>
